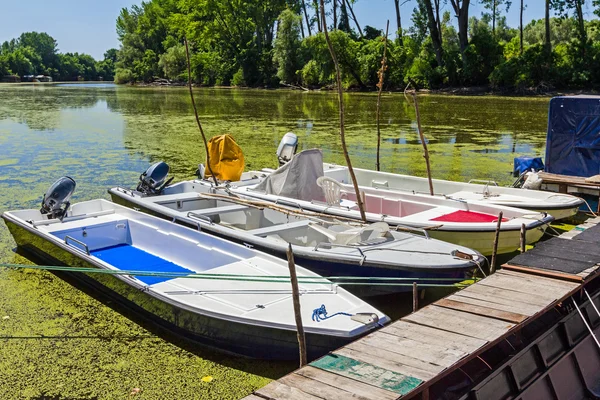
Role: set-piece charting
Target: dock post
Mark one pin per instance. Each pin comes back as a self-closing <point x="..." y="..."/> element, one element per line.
<point x="523" y="241"/>
<point x="296" y="300"/>
<point x="496" y="238"/>
<point x="415" y="297"/>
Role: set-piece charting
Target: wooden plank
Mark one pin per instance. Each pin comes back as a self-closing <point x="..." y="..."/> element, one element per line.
<point x="359" y="388"/>
<point x="542" y="272"/>
<point x="429" y="353"/>
<point x="456" y="304"/>
<point x="428" y="334"/>
<point x="535" y="279"/>
<point x="277" y="390"/>
<point x="369" y="357"/>
<point x="412" y="366"/>
<point x="500" y="294"/>
<point x="524" y="286"/>
<point x="461" y="322"/>
<point x="367" y="372"/>
<point x="497" y="303"/>
<point x="319" y="389"/>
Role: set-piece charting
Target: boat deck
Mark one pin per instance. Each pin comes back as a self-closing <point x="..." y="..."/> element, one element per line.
<point x="407" y="357"/>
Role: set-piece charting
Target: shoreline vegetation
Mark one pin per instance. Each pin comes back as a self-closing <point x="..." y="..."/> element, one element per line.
<point x="281" y="43"/>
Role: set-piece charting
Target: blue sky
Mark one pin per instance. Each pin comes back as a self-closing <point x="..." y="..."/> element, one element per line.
<point x="89" y="26"/>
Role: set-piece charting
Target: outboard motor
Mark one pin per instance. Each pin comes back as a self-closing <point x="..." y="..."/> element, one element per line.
<point x="56" y="200"/>
<point x="152" y="181"/>
<point x="287" y="148"/>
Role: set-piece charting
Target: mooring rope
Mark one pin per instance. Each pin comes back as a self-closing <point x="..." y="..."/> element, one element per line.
<point x="305" y="280"/>
<point x="320" y="314"/>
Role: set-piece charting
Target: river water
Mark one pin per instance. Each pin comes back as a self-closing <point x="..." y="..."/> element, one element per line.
<point x="57" y="342"/>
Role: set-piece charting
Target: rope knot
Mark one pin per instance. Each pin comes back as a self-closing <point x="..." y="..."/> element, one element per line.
<point x="320" y="314"/>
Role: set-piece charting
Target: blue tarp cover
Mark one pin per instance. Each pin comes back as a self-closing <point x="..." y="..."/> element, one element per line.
<point x="573" y="141"/>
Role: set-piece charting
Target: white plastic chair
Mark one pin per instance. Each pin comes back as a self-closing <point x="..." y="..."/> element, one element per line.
<point x="332" y="190"/>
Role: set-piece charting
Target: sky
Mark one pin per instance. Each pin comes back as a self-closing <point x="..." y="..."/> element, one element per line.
<point x="87" y="26"/>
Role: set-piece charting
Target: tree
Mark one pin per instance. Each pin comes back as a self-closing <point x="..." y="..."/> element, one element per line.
<point x="286" y="51"/>
<point x="547" y="25"/>
<point x="563" y="7"/>
<point x="434" y="30"/>
<point x="173" y="62"/>
<point x="494" y="7"/>
<point x="461" y="10"/>
<point x="521" y="28"/>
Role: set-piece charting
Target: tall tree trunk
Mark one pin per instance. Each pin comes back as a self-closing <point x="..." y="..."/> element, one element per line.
<point x="581" y="25"/>
<point x="306" y="18"/>
<point x="461" y="9"/>
<point x="434" y="32"/>
<point x="354" y="18"/>
<point x="398" y="21"/>
<point x="494" y="5"/>
<point x="335" y="14"/>
<point x="547" y="22"/>
<point x="344" y="17"/>
<point x="437" y="18"/>
<point x="316" y="5"/>
<point x="521" y="29"/>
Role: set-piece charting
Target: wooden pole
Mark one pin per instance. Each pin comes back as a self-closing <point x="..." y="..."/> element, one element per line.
<point x="415" y="297"/>
<point x="425" y="150"/>
<point x="496" y="238"/>
<point x="189" y="68"/>
<point x="338" y="77"/>
<point x="296" y="300"/>
<point x="523" y="238"/>
<point x="380" y="87"/>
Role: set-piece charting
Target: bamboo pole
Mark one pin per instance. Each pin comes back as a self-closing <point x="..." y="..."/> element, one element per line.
<point x="380" y="87"/>
<point x="523" y="240"/>
<point x="415" y="293"/>
<point x="425" y="150"/>
<point x="338" y="77"/>
<point x="495" y="249"/>
<point x="189" y="68"/>
<point x="296" y="300"/>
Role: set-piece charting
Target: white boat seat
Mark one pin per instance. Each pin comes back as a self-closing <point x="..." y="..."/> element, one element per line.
<point x="332" y="190"/>
<point x="220" y="210"/>
<point x="354" y="235"/>
<point x="278" y="228"/>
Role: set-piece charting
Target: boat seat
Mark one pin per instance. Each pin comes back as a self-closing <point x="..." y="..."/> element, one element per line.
<point x="220" y="210"/>
<point x="278" y="228"/>
<point x="353" y="235"/>
<point x="332" y="190"/>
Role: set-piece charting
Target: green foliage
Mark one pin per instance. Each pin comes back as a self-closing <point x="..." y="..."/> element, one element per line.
<point x="173" y="63"/>
<point x="238" y="78"/>
<point x="286" y="51"/>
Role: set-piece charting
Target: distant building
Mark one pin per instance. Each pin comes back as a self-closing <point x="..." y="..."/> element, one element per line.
<point x="28" y="78"/>
<point x="43" y="78"/>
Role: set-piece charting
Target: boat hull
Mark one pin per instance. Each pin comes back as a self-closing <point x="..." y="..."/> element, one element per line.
<point x="231" y="337"/>
<point x="332" y="268"/>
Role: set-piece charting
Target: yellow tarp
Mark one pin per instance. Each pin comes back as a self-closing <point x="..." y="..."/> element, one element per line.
<point x="226" y="158"/>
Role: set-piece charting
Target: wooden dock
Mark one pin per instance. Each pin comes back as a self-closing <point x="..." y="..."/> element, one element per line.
<point x="407" y="357"/>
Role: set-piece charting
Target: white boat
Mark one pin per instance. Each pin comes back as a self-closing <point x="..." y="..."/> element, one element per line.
<point x="466" y="223"/>
<point x="329" y="248"/>
<point x="247" y="316"/>
<point x="486" y="192"/>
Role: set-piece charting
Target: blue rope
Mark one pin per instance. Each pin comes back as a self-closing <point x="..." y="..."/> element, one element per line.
<point x="320" y="314"/>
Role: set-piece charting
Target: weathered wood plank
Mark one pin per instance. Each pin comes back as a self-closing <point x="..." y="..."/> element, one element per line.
<point x="427" y="334"/>
<point x="524" y="286"/>
<point x="537" y="280"/>
<point x="252" y="397"/>
<point x="499" y="294"/>
<point x="496" y="303"/>
<point x="384" y="363"/>
<point x="429" y="353"/>
<point x="366" y="372"/>
<point x="418" y="368"/>
<point x="359" y="388"/>
<point x="461" y="322"/>
<point x="319" y="389"/>
<point x="456" y="304"/>
<point x="277" y="390"/>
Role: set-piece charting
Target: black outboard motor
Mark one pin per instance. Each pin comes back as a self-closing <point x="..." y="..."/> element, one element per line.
<point x="287" y="148"/>
<point x="152" y="181"/>
<point x="56" y="200"/>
